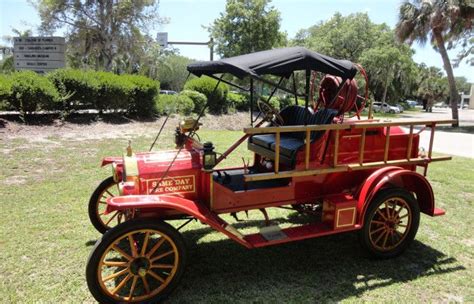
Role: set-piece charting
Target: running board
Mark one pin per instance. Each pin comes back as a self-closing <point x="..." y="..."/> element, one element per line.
<point x="293" y="234"/>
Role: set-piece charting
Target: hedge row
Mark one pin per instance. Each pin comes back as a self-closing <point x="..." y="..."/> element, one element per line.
<point x="68" y="90"/>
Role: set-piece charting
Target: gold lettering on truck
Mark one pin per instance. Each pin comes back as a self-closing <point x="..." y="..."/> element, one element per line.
<point x="175" y="184"/>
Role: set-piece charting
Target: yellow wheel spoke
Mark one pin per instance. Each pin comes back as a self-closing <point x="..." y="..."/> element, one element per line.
<point x="377" y="222"/>
<point x="385" y="239"/>
<point x="402" y="225"/>
<point x="157" y="245"/>
<point x="161" y="256"/>
<point x="122" y="284"/>
<point x="114" y="275"/>
<point x="111" y="195"/>
<point x="387" y="209"/>
<point x="145" y="284"/>
<point x="150" y="272"/>
<point x="115" y="264"/>
<point x="381" y="214"/>
<point x="110" y="219"/>
<point x="399" y="210"/>
<point x="123" y="253"/>
<point x="377" y="230"/>
<point x="169" y="266"/>
<point x="145" y="243"/>
<point x="132" y="246"/>
<point x="380" y="237"/>
<point x="132" y="289"/>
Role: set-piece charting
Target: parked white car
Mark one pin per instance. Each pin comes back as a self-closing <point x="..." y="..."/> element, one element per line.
<point x="385" y="108"/>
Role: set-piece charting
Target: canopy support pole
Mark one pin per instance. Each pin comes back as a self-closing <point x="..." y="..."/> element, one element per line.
<point x="276" y="85"/>
<point x="294" y="88"/>
<point x="306" y="100"/>
<point x="251" y="102"/>
<point x="229" y="83"/>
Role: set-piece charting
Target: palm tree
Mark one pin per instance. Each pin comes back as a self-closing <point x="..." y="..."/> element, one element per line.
<point x="440" y="20"/>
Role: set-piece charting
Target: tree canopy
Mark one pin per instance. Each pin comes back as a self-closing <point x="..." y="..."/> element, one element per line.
<point x="100" y="31"/>
<point x="247" y="26"/>
<point x="441" y="22"/>
<point x="389" y="64"/>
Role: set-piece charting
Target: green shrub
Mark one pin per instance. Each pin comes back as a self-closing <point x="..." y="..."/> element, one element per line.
<point x="240" y="102"/>
<point x="82" y="87"/>
<point x="169" y="104"/>
<point x="217" y="99"/>
<point x="114" y="93"/>
<point x="5" y="92"/>
<point x="286" y="101"/>
<point x="198" y="99"/>
<point x="32" y="92"/>
<point x="142" y="96"/>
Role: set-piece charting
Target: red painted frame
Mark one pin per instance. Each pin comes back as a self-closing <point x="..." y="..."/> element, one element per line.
<point x="345" y="194"/>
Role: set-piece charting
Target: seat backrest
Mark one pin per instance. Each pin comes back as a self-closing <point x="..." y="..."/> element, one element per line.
<point x="294" y="115"/>
<point x="298" y="115"/>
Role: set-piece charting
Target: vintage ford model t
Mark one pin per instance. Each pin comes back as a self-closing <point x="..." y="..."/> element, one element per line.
<point x="345" y="172"/>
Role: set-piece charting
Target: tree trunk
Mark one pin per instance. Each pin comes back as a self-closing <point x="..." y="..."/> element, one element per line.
<point x="453" y="93"/>
<point x="386" y="86"/>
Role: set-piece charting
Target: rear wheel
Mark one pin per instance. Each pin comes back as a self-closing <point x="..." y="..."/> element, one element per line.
<point x="390" y="224"/>
<point x="98" y="203"/>
<point x="138" y="261"/>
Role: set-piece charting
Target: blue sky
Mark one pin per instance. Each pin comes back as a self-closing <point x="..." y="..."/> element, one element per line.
<point x="187" y="18"/>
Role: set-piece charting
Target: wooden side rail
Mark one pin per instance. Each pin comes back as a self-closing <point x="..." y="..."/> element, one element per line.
<point x="360" y="165"/>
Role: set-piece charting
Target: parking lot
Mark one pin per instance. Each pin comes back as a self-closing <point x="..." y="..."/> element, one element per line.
<point x="458" y="142"/>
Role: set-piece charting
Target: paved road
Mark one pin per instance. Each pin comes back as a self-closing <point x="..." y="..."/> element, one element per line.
<point x="453" y="143"/>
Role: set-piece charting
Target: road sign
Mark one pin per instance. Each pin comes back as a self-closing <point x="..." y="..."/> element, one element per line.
<point x="39" y="54"/>
<point x="162" y="39"/>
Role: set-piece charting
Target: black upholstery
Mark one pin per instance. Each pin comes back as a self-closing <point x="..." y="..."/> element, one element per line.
<point x="290" y="143"/>
<point x="264" y="140"/>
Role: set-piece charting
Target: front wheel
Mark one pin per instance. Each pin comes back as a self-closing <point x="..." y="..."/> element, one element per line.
<point x="390" y="224"/>
<point x="137" y="261"/>
<point x="98" y="203"/>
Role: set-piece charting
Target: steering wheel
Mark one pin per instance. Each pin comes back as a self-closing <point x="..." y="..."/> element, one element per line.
<point x="270" y="113"/>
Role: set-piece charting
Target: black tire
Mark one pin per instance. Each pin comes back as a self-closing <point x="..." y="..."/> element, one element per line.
<point x="94" y="205"/>
<point x="369" y="238"/>
<point x="115" y="234"/>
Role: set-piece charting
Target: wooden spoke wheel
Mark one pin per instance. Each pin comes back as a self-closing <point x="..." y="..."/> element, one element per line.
<point x="391" y="223"/>
<point x="138" y="261"/>
<point x="98" y="203"/>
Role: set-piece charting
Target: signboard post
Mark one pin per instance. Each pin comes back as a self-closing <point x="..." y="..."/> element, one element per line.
<point x="39" y="54"/>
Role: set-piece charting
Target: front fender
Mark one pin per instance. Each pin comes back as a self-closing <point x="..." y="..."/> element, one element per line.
<point x="169" y="202"/>
<point x="400" y="178"/>
<point x="111" y="159"/>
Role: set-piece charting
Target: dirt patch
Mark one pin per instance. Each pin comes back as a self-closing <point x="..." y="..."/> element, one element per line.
<point x="111" y="129"/>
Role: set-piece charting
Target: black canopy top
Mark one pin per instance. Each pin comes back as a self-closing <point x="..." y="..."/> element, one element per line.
<point x="280" y="62"/>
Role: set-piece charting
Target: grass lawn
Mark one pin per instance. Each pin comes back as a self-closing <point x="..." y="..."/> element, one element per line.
<point x="46" y="237"/>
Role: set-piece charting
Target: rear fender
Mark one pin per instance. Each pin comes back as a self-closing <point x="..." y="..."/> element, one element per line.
<point x="399" y="178"/>
<point x="182" y="205"/>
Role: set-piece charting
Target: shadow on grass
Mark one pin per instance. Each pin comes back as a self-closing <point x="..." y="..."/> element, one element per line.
<point x="328" y="269"/>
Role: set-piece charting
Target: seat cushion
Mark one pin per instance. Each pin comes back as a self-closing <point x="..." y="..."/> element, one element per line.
<point x="289" y="145"/>
<point x="264" y="140"/>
